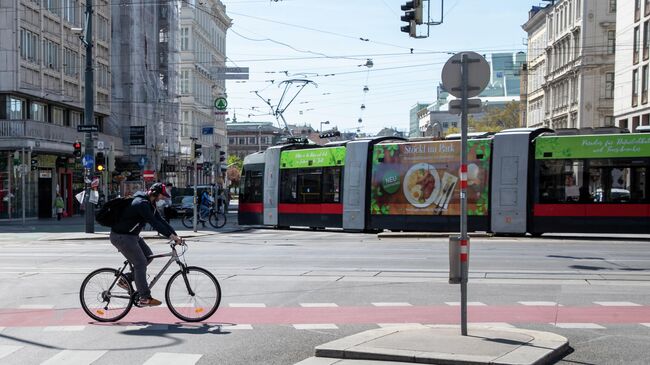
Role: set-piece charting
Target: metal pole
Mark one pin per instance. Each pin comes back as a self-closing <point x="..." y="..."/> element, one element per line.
<point x="195" y="210"/>
<point x="463" y="196"/>
<point x="89" y="115"/>
<point x="22" y="183"/>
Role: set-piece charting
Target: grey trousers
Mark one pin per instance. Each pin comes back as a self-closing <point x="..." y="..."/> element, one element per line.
<point x="134" y="249"/>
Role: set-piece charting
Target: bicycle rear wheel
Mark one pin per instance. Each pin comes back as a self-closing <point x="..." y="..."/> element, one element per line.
<point x="102" y="299"/>
<point x="188" y="221"/>
<point x="193" y="297"/>
<point x="217" y="220"/>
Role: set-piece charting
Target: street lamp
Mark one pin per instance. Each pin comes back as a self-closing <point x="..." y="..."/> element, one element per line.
<point x="259" y="138"/>
<point x="321" y="125"/>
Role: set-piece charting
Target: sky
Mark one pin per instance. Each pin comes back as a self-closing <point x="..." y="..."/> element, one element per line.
<point x="329" y="42"/>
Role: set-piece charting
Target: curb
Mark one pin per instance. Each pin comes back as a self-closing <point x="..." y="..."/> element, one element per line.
<point x="427" y="234"/>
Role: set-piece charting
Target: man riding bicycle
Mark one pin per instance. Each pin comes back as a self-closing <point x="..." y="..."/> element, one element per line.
<point x="125" y="236"/>
<point x="205" y="205"/>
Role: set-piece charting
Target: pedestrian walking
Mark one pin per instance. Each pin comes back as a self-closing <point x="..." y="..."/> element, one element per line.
<point x="59" y="205"/>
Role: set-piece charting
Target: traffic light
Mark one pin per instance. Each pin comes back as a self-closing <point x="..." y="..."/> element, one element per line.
<point x="100" y="161"/>
<point x="34" y="164"/>
<point x="412" y="15"/>
<point x="197" y="150"/>
<point x="77" y="149"/>
<point x="222" y="156"/>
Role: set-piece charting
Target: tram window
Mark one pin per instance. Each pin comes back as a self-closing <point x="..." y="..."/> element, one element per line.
<point x="251" y="189"/>
<point x="289" y="186"/>
<point x="562" y="181"/>
<point x="332" y="185"/>
<point x="309" y="186"/>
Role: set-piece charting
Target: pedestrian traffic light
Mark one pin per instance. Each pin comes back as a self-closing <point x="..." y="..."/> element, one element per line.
<point x="197" y="150"/>
<point x="34" y="164"/>
<point x="222" y="156"/>
<point x="100" y="161"/>
<point x="412" y="15"/>
<point x="77" y="149"/>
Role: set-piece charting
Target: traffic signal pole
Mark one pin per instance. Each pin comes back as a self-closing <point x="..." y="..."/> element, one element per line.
<point x="89" y="116"/>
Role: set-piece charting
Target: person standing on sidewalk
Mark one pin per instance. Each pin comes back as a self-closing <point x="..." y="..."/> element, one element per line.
<point x="59" y="205"/>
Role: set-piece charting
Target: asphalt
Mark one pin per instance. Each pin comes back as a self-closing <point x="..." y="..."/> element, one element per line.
<point x="443" y="344"/>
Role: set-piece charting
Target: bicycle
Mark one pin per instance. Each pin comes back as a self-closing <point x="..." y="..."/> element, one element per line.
<point x="216" y="219"/>
<point x="192" y="293"/>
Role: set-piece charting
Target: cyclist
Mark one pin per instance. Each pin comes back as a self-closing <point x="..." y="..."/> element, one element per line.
<point x="125" y="236"/>
<point x="204" y="206"/>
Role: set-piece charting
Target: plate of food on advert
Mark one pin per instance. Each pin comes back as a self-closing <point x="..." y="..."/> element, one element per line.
<point x="421" y="185"/>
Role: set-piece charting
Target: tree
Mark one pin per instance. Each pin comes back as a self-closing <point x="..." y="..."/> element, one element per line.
<point x="234" y="175"/>
<point x="494" y="120"/>
<point x="234" y="160"/>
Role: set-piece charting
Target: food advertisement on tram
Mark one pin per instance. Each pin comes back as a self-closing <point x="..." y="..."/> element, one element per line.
<point x="423" y="178"/>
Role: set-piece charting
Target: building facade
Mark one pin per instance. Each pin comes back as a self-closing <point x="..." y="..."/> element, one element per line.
<point x="571" y="64"/>
<point x="245" y="138"/>
<point x="631" y="107"/>
<point x="42" y="64"/>
<point x="203" y="26"/>
<point x="144" y="74"/>
<point x="414" y="120"/>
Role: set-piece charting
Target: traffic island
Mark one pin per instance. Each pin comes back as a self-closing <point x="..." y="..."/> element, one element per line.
<point x="443" y="345"/>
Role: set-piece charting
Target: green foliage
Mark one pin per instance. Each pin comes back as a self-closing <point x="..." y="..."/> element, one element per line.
<point x="235" y="161"/>
<point x="494" y="120"/>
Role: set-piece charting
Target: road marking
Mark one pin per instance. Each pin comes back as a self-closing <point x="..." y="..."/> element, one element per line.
<point x="579" y="325"/>
<point x="170" y="358"/>
<point x="247" y="305"/>
<point x="387" y="325"/>
<point x="618" y="304"/>
<point x="8" y="349"/>
<point x="74" y="357"/>
<point x="318" y="305"/>
<point x="36" y="306"/>
<point x="229" y="327"/>
<point x="148" y="327"/>
<point x="63" y="328"/>
<point x="315" y="326"/>
<point x="2" y="328"/>
<point x="469" y="304"/>
<point x="391" y="304"/>
<point x="540" y="304"/>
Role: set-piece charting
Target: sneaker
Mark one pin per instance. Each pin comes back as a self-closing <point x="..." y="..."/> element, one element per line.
<point x="122" y="283"/>
<point x="149" y="302"/>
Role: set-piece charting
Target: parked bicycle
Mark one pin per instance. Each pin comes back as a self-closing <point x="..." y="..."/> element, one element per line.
<point x="192" y="294"/>
<point x="217" y="219"/>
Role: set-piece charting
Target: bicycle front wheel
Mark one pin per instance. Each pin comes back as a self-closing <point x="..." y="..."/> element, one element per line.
<point x="102" y="299"/>
<point x="188" y="221"/>
<point x="193" y="295"/>
<point x="217" y="220"/>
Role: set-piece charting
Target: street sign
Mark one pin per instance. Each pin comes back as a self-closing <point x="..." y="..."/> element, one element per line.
<point x="230" y="73"/>
<point x="143" y="161"/>
<point x="221" y="113"/>
<point x="88" y="161"/>
<point x="207" y="130"/>
<point x="100" y="145"/>
<point x="220" y="103"/>
<point x="136" y="136"/>
<point x="148" y="174"/>
<point x="473" y="106"/>
<point x="232" y="76"/>
<point x="87" y="128"/>
<point x="478" y="74"/>
<point x="235" y="70"/>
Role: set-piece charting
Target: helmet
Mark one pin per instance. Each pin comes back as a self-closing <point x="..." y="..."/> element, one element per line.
<point x="157" y="189"/>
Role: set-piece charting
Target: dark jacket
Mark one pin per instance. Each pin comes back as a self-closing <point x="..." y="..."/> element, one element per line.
<point x="136" y="216"/>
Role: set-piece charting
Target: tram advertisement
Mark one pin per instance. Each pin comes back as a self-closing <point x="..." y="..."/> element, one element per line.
<point x="423" y="178"/>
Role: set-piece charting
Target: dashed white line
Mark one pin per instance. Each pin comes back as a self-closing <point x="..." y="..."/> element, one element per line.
<point x="469" y="304"/>
<point x="391" y="304"/>
<point x="645" y="324"/>
<point x="6" y="350"/>
<point x="247" y="305"/>
<point x="617" y="304"/>
<point x="387" y="325"/>
<point x="36" y="306"/>
<point x="318" y="305"/>
<point x="74" y="357"/>
<point x="315" y="326"/>
<point x="229" y="327"/>
<point x="579" y="325"/>
<point x="540" y="304"/>
<point x="170" y="358"/>
<point x="63" y="328"/>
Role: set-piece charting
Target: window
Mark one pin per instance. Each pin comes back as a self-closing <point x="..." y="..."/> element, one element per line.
<point x="635" y="87"/>
<point x="57" y="116"/>
<point x="252" y="140"/>
<point x="612" y="6"/>
<point x="185" y="82"/>
<point x="185" y="39"/>
<point x="636" y="46"/>
<point x="647" y="7"/>
<point x="75" y="119"/>
<point x="332" y="185"/>
<point x="232" y="140"/>
<point x="70" y="62"/>
<point x="15" y="108"/>
<point x="646" y="39"/>
<point x="37" y="112"/>
<point x="70" y="11"/>
<point x="251" y="186"/>
<point x="609" y="85"/>
<point x="644" y="85"/>
<point x="28" y="46"/>
<point x="54" y="6"/>
<point x="241" y="140"/>
<point x="611" y="41"/>
<point x="51" y="54"/>
<point x="637" y="10"/>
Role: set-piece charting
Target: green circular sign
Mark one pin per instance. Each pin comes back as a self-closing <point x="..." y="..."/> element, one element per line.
<point x="220" y="103"/>
<point x="390" y="182"/>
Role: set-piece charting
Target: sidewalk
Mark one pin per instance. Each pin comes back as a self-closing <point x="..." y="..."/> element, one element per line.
<point x="442" y="344"/>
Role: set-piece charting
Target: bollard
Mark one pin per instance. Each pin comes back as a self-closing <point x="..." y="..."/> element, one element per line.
<point x="455" y="274"/>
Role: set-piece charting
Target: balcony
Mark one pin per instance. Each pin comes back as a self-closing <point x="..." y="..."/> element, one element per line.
<point x="47" y="137"/>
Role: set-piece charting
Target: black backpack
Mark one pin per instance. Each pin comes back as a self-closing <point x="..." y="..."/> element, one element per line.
<point x="111" y="211"/>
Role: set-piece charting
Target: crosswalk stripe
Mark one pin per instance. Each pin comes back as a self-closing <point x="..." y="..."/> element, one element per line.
<point x="391" y="304"/>
<point x="148" y="327"/>
<point x="315" y="326"/>
<point x="539" y="304"/>
<point x="8" y="349"/>
<point x="579" y="325"/>
<point x="247" y="305"/>
<point x="74" y="357"/>
<point x="2" y="329"/>
<point x="36" y="306"/>
<point x="386" y="325"/>
<point x="170" y="358"/>
<point x="469" y="304"/>
<point x="318" y="305"/>
<point x="229" y="327"/>
<point x="617" y="304"/>
<point x="645" y="324"/>
<point x="63" y="328"/>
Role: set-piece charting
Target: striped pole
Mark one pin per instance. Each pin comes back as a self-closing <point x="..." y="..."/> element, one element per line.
<point x="464" y="239"/>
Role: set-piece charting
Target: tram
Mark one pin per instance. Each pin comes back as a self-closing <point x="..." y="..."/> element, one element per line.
<point x="519" y="181"/>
